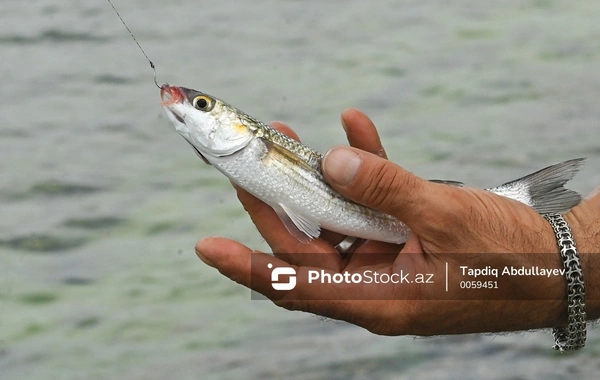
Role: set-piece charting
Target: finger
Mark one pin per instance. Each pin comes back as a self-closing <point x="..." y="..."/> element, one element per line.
<point x="383" y="185"/>
<point x="362" y="259"/>
<point x="231" y="258"/>
<point x="379" y="248"/>
<point x="413" y="244"/>
<point x="361" y="132"/>
<point x="242" y="265"/>
<point x="252" y="270"/>
<point x="331" y="237"/>
<point x="370" y="252"/>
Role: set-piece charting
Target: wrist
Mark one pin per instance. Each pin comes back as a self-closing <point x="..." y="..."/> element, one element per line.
<point x="585" y="229"/>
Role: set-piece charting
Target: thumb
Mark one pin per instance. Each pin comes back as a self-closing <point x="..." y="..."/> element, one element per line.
<point x="380" y="184"/>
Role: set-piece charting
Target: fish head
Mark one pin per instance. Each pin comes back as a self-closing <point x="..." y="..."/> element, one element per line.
<point x="211" y="126"/>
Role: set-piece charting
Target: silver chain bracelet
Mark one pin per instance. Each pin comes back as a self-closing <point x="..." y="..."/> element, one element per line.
<point x="573" y="336"/>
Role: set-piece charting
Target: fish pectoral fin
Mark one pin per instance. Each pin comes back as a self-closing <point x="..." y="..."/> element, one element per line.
<point x="301" y="227"/>
<point x="281" y="152"/>
<point x="447" y="182"/>
<point x="547" y="193"/>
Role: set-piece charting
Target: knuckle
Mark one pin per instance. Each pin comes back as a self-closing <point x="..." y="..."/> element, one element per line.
<point x="382" y="187"/>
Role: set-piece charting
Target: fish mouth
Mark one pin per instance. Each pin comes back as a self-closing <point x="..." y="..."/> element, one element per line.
<point x="171" y="95"/>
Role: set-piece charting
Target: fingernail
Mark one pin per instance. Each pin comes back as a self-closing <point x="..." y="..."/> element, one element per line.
<point x="344" y="123"/>
<point x="205" y="259"/>
<point x="341" y="165"/>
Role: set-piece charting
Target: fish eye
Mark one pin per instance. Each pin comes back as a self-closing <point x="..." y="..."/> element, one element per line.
<point x="203" y="103"/>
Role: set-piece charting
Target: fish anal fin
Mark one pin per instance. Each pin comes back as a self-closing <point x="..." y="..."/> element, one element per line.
<point x="299" y="226"/>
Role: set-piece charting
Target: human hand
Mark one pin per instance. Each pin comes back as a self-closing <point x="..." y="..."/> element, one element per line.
<point x="444" y="219"/>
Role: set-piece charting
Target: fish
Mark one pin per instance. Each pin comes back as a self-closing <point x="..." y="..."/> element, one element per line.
<point x="286" y="174"/>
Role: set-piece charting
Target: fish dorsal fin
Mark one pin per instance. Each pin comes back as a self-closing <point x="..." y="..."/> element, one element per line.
<point x="447" y="182"/>
<point x="547" y="193"/>
<point x="301" y="227"/>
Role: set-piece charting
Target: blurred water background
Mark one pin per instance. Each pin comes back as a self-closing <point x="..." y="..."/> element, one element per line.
<point x="102" y="201"/>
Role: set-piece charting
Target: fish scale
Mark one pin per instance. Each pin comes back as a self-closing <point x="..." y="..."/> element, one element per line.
<point x="298" y="189"/>
<point x="286" y="174"/>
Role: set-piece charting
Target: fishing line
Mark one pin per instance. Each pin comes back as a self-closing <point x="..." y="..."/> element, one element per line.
<point x="136" y="41"/>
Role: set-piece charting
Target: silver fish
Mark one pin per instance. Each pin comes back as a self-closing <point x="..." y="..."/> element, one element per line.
<point x="287" y="175"/>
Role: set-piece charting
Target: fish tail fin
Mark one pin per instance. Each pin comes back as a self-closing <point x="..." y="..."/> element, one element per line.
<point x="544" y="190"/>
